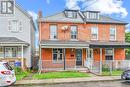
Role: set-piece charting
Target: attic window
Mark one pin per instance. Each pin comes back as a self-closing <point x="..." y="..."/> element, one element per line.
<point x="71" y="14"/>
<point x="92" y="15"/>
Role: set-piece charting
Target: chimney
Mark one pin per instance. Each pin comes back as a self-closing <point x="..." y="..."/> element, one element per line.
<point x="40" y="14"/>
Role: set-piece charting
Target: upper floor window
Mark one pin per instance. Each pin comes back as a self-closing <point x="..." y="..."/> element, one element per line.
<point x="53" y="32"/>
<point x="73" y="32"/>
<point x="15" y="26"/>
<point x="94" y="33"/>
<point x="112" y="33"/>
<point x="71" y="14"/>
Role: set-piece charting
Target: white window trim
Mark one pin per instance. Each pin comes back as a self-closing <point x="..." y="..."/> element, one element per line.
<point x="113" y="53"/>
<point x="58" y="61"/>
<point x="73" y="34"/>
<point x="56" y="32"/>
<point x="19" y="26"/>
<point x="97" y="33"/>
<point x="11" y="56"/>
<point x="115" y="34"/>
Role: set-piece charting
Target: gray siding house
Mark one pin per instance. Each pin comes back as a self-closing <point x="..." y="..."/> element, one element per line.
<point x="17" y="36"/>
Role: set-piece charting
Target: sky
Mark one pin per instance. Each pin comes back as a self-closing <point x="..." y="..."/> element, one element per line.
<point x="118" y="9"/>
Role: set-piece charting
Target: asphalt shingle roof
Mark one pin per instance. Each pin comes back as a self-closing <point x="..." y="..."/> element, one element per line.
<point x="11" y="40"/>
<point x="60" y="17"/>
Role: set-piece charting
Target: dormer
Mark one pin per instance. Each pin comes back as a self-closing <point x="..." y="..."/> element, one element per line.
<point x="71" y="13"/>
<point x="91" y="15"/>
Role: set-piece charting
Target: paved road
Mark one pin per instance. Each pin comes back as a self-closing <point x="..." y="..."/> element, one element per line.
<point x="85" y="84"/>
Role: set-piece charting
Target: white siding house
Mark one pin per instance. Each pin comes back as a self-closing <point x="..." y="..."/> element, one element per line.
<point x="17" y="36"/>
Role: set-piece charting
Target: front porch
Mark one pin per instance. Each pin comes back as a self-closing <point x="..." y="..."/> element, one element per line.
<point x="77" y="55"/>
<point x="12" y="50"/>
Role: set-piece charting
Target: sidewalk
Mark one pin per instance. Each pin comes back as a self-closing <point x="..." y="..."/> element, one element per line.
<point x="67" y="80"/>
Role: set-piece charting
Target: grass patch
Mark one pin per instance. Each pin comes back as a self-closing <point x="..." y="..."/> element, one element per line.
<point x="114" y="73"/>
<point x="21" y="75"/>
<point x="53" y="75"/>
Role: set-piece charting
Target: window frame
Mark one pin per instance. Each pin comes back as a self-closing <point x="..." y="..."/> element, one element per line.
<point x="57" y="60"/>
<point x="96" y="27"/>
<point x="19" y="26"/>
<point x="56" y="32"/>
<point x="73" y="14"/>
<point x="71" y="35"/>
<point x="2" y="52"/>
<point x="109" y="54"/>
<point x="112" y="27"/>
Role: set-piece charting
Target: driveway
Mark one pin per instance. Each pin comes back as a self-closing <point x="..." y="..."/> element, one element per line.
<point x="85" y="84"/>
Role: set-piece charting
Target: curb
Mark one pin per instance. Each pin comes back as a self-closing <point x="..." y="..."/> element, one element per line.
<point x="67" y="80"/>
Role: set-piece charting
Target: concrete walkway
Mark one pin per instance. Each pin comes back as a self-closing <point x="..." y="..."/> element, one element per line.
<point x="67" y="80"/>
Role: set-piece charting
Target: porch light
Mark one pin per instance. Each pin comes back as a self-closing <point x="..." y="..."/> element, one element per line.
<point x="72" y="50"/>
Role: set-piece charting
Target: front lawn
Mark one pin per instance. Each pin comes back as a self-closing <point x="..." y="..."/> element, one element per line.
<point x="21" y="75"/>
<point x="53" y="75"/>
<point x="114" y="73"/>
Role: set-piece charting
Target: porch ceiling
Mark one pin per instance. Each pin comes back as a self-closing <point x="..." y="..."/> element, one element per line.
<point x="110" y="44"/>
<point x="64" y="44"/>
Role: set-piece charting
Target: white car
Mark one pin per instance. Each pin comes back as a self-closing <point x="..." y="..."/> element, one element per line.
<point x="7" y="75"/>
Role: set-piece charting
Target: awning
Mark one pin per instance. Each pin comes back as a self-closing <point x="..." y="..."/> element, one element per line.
<point x="110" y="44"/>
<point x="64" y="44"/>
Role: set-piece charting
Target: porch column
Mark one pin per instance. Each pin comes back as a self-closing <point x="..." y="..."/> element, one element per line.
<point x="113" y="54"/>
<point x="92" y="59"/>
<point x="22" y="57"/>
<point x="100" y="60"/>
<point x="64" y="58"/>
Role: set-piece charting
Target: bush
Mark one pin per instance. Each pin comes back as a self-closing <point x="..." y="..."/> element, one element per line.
<point x="105" y="68"/>
<point x="18" y="70"/>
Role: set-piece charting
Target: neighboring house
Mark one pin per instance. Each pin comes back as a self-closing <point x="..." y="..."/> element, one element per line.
<point x="73" y="38"/>
<point x="17" y="33"/>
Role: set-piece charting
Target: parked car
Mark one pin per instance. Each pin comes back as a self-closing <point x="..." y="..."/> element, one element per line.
<point x="7" y="74"/>
<point x="126" y="75"/>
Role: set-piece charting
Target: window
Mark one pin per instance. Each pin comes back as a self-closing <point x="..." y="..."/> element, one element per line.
<point x="71" y="14"/>
<point x="19" y="52"/>
<point x="53" y="32"/>
<point x="109" y="54"/>
<point x="73" y="32"/>
<point x="112" y="33"/>
<point x="15" y="26"/>
<point x="94" y="33"/>
<point x="10" y="52"/>
<point x="1" y="52"/>
<point x="91" y="15"/>
<point x="57" y="55"/>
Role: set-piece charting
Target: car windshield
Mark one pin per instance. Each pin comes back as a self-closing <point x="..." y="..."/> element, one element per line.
<point x="7" y="66"/>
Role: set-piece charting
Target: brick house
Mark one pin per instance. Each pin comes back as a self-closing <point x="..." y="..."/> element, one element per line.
<point x="73" y="38"/>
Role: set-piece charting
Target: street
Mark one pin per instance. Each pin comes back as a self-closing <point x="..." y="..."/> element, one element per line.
<point x="84" y="84"/>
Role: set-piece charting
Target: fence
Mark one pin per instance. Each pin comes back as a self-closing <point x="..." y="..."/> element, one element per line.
<point x="96" y="67"/>
<point x="57" y="65"/>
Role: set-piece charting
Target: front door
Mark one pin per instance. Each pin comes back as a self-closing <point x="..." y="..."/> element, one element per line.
<point x="78" y="57"/>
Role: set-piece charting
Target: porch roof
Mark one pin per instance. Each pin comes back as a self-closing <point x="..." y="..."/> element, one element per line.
<point x="110" y="44"/>
<point x="64" y="44"/>
<point x="83" y="44"/>
<point x="12" y="41"/>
